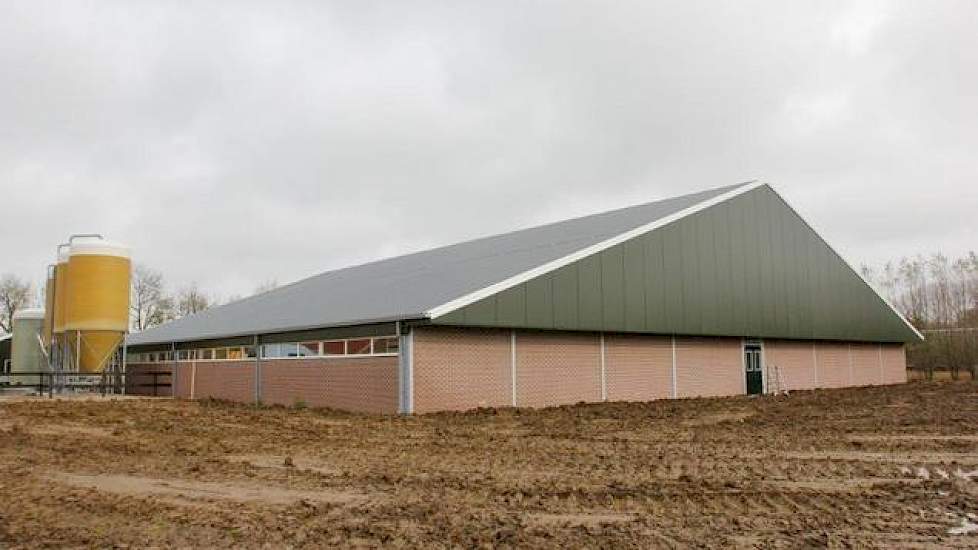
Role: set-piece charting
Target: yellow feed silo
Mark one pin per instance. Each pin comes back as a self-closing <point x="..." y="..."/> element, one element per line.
<point x="60" y="291"/>
<point x="96" y="301"/>
<point x="48" y="309"/>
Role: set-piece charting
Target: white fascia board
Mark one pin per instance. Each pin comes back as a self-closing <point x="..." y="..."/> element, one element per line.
<point x="553" y="265"/>
<point x="849" y="265"/>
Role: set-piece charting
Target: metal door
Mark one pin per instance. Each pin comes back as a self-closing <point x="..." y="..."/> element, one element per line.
<point x="753" y="369"/>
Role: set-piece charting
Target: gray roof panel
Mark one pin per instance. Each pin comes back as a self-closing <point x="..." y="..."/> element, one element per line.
<point x="405" y="287"/>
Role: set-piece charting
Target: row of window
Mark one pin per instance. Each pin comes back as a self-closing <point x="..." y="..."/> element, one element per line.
<point x="385" y="345"/>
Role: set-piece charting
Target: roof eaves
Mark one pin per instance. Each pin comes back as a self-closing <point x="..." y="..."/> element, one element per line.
<point x="276" y="330"/>
<point x="543" y="269"/>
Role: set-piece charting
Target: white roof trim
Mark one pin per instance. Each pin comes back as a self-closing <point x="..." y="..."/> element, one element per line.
<point x="849" y="265"/>
<point x="519" y="278"/>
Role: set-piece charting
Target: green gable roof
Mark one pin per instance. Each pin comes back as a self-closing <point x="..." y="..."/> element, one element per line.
<point x="746" y="265"/>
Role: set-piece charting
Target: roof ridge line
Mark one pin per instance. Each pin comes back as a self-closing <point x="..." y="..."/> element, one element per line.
<point x="553" y="265"/>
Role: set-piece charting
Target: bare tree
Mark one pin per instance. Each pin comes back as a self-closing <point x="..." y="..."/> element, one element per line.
<point x="191" y="300"/>
<point x="938" y="295"/>
<point x="150" y="306"/>
<point x="15" y="294"/>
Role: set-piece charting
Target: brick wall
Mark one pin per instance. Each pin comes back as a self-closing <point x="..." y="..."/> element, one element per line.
<point x="866" y="367"/>
<point x="795" y="362"/>
<point x="230" y="380"/>
<point x="838" y="364"/>
<point x="557" y="368"/>
<point x="638" y="367"/>
<point x="463" y="368"/>
<point x="367" y="384"/>
<point x="833" y="365"/>
<point x="182" y="380"/>
<point x="709" y="366"/>
<point x="894" y="364"/>
<point x="460" y="368"/>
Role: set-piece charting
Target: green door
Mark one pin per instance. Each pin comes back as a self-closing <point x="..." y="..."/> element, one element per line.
<point x="753" y="369"/>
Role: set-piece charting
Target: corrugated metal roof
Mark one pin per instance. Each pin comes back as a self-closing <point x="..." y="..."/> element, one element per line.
<point x="406" y="287"/>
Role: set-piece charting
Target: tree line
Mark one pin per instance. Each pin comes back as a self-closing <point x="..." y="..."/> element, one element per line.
<point x="151" y="301"/>
<point x="939" y="296"/>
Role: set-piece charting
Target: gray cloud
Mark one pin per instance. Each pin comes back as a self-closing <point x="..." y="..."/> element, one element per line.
<point x="233" y="143"/>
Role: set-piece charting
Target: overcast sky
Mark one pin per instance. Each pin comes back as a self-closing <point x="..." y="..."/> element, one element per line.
<point x="234" y="143"/>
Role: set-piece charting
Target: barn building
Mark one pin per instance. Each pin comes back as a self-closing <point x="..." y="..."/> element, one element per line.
<point x="722" y="292"/>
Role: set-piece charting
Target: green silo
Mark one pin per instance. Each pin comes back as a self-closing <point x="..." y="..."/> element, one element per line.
<point x="26" y="354"/>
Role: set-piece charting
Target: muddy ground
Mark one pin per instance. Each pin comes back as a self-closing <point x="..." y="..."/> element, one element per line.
<point x="894" y="466"/>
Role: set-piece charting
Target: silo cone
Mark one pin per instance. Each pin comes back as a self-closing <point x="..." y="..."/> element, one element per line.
<point x="97" y="302"/>
<point x="25" y="352"/>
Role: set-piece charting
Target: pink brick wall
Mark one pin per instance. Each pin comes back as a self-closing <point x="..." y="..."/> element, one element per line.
<point x="457" y="368"/>
<point x="463" y="368"/>
<point x="894" y="364"/>
<point x="795" y="362"/>
<point x="367" y="384"/>
<point x="833" y="365"/>
<point x="638" y="367"/>
<point x="556" y="368"/>
<point x="866" y="366"/>
<point x="709" y="366"/>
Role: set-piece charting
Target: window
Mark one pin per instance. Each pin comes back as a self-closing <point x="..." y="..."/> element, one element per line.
<point x="385" y="345"/>
<point x="335" y="347"/>
<point x="277" y="351"/>
<point x="358" y="347"/>
<point x="289" y="350"/>
<point x="309" y="349"/>
<point x="380" y="345"/>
